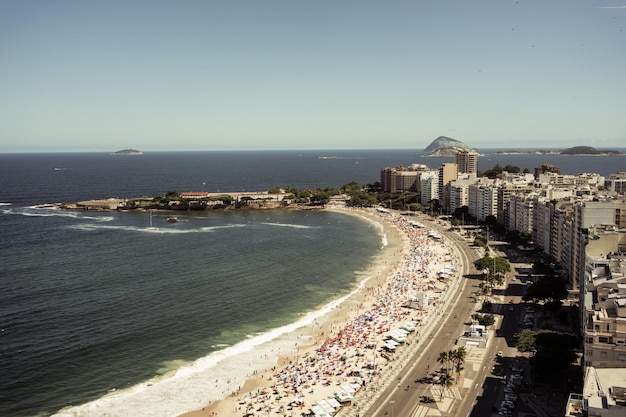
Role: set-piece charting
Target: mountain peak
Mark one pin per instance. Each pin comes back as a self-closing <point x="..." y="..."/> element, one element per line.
<point x="445" y="146"/>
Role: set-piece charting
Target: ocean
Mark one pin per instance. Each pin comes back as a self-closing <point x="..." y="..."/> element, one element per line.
<point x="101" y="308"/>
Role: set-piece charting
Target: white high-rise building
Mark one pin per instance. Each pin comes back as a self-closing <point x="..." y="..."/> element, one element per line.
<point x="483" y="199"/>
<point x="429" y="187"/>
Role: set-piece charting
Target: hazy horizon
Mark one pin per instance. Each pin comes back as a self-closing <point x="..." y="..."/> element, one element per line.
<point x="417" y="149"/>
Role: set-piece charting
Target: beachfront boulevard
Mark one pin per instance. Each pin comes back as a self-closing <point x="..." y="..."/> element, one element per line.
<point x="410" y="389"/>
<point x="370" y="356"/>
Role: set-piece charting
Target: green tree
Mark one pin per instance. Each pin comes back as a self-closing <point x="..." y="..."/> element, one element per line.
<point x="526" y="342"/>
<point x="550" y="289"/>
<point x="512" y="168"/>
<point x="362" y="199"/>
<point x="480" y="240"/>
<point x="320" y="197"/>
<point x="484" y="319"/>
<point x="172" y="195"/>
<point x="415" y="207"/>
<point x="555" y="352"/>
<point x="496" y="268"/>
<point x="351" y="187"/>
<point x="496" y="265"/>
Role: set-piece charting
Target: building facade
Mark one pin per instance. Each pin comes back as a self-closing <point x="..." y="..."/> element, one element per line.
<point x="467" y="162"/>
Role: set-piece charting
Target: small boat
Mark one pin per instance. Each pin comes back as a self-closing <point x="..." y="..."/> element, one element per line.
<point x="172" y="219"/>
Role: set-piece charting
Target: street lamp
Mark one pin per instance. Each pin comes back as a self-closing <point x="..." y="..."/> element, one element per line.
<point x="392" y="403"/>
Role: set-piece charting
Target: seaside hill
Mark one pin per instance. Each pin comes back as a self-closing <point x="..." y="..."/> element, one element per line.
<point x="587" y="150"/>
<point x="445" y="146"/>
<point x="128" y="152"/>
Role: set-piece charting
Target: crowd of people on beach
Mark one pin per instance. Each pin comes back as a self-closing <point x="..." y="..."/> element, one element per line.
<point x="354" y="353"/>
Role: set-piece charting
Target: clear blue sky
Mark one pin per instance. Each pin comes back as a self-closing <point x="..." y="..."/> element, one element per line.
<point x="83" y="75"/>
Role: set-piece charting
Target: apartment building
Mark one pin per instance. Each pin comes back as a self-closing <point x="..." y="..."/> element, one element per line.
<point x="542" y="220"/>
<point x="447" y="172"/>
<point x="401" y="178"/>
<point x="560" y="236"/>
<point x="604" y="394"/>
<point x="589" y="214"/>
<point x="466" y="162"/>
<point x="581" y="180"/>
<point x="520" y="213"/>
<point x="482" y="199"/>
<point x="545" y="168"/>
<point x="616" y="183"/>
<point x="603" y="300"/>
<point x="459" y="190"/>
<point x="429" y="187"/>
<point x="505" y="191"/>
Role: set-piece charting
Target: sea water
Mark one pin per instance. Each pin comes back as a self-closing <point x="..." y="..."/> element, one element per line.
<point x="159" y="317"/>
<point x="117" y="311"/>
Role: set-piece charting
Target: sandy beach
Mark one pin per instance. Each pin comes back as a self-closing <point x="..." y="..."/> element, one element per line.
<point x="350" y="350"/>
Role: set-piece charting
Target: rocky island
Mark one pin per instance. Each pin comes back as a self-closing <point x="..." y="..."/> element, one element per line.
<point x="128" y="152"/>
<point x="573" y="151"/>
<point x="588" y="150"/>
<point x="445" y="146"/>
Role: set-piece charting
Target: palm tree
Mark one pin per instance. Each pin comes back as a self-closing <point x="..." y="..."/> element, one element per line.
<point x="446" y="382"/>
<point x="458" y="359"/>
<point x="444" y="359"/>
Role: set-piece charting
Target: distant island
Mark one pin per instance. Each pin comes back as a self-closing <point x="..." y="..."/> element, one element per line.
<point x="588" y="150"/>
<point x="573" y="151"/>
<point x="528" y="152"/>
<point x="445" y="146"/>
<point x="128" y="152"/>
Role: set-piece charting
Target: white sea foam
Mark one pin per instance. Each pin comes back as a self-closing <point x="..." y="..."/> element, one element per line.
<point x="173" y="231"/>
<point x="207" y="379"/>
<point x="295" y="226"/>
<point x="5" y="204"/>
<point x="52" y="211"/>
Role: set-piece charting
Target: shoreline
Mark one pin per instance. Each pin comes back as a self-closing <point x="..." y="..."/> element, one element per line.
<point x="336" y="350"/>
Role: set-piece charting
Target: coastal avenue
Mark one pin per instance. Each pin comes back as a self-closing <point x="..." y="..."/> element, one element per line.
<point x="402" y="397"/>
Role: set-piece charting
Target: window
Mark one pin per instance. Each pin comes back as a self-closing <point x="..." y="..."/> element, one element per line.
<point x="603" y="339"/>
<point x="603" y="354"/>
